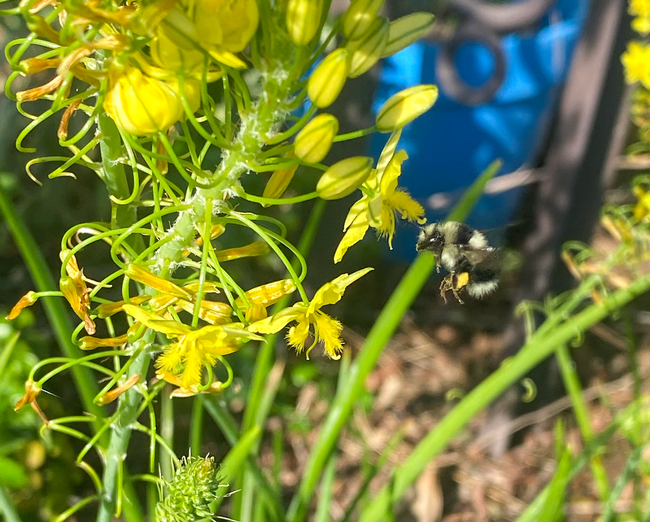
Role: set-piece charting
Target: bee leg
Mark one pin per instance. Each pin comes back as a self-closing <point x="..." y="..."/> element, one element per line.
<point x="444" y="288"/>
<point x="455" y="287"/>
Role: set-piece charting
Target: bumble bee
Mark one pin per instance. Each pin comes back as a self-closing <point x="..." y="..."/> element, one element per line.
<point x="463" y="251"/>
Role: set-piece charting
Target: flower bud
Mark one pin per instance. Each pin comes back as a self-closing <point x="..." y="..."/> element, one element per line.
<point x="344" y="177"/>
<point x="359" y="16"/>
<point x="315" y="140"/>
<point x="142" y="105"/>
<point x="405" y="106"/>
<point x="303" y="20"/>
<point x="367" y="50"/>
<point x="166" y="54"/>
<point x="327" y="80"/>
<point x="226" y="25"/>
<point x="268" y="294"/>
<point x="406" y="31"/>
<point x="279" y="181"/>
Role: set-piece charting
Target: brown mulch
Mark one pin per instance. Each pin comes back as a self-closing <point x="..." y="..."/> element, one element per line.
<point x="419" y="378"/>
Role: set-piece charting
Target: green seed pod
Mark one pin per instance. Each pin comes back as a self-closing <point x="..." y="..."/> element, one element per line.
<point x="303" y="20"/>
<point x="344" y="177"/>
<point x="327" y="80"/>
<point x="315" y="140"/>
<point x="406" y="31"/>
<point x="359" y="17"/>
<point x="367" y="50"/>
<point x="405" y="106"/>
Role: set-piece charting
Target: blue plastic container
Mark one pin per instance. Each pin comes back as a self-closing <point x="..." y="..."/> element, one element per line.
<point x="452" y="144"/>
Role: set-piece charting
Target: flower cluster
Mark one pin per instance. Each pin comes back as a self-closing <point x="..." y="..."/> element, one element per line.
<point x="143" y="74"/>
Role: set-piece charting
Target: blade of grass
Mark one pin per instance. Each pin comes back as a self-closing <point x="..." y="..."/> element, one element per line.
<point x="228" y="427"/>
<point x="326" y="485"/>
<point x="235" y="459"/>
<point x="632" y="465"/>
<point x="7" y="508"/>
<point x="532" y="513"/>
<point x="536" y="350"/>
<point x="572" y="385"/>
<point x="384" y="327"/>
<point x="553" y="506"/>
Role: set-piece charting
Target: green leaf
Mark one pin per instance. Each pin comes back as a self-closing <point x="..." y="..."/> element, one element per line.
<point x="12" y="474"/>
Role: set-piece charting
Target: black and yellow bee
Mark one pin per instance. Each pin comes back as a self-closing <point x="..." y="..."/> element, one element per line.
<point x="463" y="251"/>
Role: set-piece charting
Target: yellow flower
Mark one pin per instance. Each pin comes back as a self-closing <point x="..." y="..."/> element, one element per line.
<point x="225" y="27"/>
<point x="142" y="105"/>
<point x="380" y="202"/>
<point x="640" y="7"/>
<point x="636" y="60"/>
<point x="326" y="329"/>
<point x="641" y="24"/>
<point x="183" y="361"/>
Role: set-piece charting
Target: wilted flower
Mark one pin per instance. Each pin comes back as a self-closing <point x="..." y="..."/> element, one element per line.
<point x="74" y="289"/>
<point x="27" y="300"/>
<point x="326" y="329"/>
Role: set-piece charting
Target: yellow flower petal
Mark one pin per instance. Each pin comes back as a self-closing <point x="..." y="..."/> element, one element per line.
<point x="278" y="321"/>
<point x="298" y="335"/>
<point x="355" y="232"/>
<point x="333" y="291"/>
<point x="155" y="322"/>
<point x="393" y="170"/>
<point x="141" y="275"/>
<point x="328" y="331"/>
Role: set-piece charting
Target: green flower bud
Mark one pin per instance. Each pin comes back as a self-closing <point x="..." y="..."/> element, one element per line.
<point x="344" y="177"/>
<point x="189" y="494"/>
<point x="405" y="106"/>
<point x="327" y="80"/>
<point x="315" y="140"/>
<point x="303" y="20"/>
<point x="367" y="50"/>
<point x="407" y="30"/>
<point x="359" y="17"/>
<point x="279" y="181"/>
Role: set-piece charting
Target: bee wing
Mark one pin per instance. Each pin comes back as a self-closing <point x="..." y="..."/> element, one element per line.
<point x="476" y="255"/>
